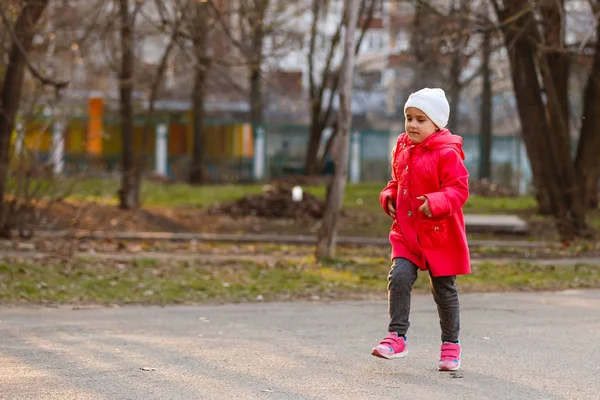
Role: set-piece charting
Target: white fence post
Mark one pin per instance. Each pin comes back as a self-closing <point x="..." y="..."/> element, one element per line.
<point x="58" y="146"/>
<point x="161" y="151"/>
<point x="259" y="153"/>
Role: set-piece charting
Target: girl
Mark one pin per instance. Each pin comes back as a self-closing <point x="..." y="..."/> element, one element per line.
<point x="425" y="197"/>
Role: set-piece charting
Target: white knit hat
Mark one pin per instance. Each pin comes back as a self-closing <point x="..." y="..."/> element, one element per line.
<point x="433" y="103"/>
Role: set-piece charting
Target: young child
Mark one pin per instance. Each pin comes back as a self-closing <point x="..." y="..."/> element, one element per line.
<point x="425" y="197"/>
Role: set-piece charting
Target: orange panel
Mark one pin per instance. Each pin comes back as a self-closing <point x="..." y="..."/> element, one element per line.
<point x="94" y="134"/>
<point x="177" y="139"/>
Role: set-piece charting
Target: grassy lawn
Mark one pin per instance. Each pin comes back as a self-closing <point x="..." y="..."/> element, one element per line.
<point x="162" y="194"/>
<point x="358" y="273"/>
<point x="364" y="195"/>
<point x="158" y="282"/>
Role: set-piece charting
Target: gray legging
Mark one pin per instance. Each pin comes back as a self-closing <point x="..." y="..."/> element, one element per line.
<point x="401" y="280"/>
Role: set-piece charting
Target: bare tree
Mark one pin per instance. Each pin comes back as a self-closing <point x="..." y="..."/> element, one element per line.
<point x="199" y="29"/>
<point x="22" y="33"/>
<point x="430" y="28"/>
<point x="321" y="106"/>
<point x="587" y="161"/>
<point x="255" y="21"/>
<point x="327" y="234"/>
<point x="485" y="130"/>
<point x="180" y="10"/>
<point x="538" y="51"/>
<point x="248" y="38"/>
<point x="129" y="191"/>
<point x="459" y="21"/>
<point x="248" y="24"/>
<point x="134" y="164"/>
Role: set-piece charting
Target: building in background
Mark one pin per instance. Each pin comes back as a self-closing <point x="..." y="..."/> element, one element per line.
<point x="386" y="73"/>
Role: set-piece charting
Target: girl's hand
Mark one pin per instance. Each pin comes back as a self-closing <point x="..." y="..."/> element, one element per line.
<point x="391" y="208"/>
<point x="425" y="206"/>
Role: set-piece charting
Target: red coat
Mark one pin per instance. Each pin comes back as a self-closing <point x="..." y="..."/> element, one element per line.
<point x="435" y="169"/>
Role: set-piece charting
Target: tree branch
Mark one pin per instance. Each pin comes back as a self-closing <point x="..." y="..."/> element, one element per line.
<point x="363" y="32"/>
<point x="38" y="75"/>
<point x="219" y="15"/>
<point x="311" y="49"/>
<point x="326" y="70"/>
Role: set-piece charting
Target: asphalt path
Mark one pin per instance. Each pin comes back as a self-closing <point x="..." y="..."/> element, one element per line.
<point x="515" y="346"/>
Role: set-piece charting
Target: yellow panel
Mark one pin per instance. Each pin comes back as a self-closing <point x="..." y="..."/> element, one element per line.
<point x="248" y="140"/>
<point x="228" y="135"/>
<point x="38" y="136"/>
<point x="112" y="139"/>
<point x="75" y="139"/>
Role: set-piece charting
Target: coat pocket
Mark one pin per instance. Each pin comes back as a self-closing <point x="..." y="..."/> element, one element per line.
<point x="433" y="234"/>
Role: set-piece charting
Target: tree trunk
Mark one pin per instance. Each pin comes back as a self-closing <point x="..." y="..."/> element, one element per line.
<point x="129" y="192"/>
<point x="199" y="27"/>
<point x="196" y="170"/>
<point x="546" y="147"/>
<point x="523" y="71"/>
<point x="556" y="56"/>
<point x="327" y="234"/>
<point x="258" y="41"/>
<point x="10" y="93"/>
<point x="554" y="66"/>
<point x="314" y="141"/>
<point x="558" y="63"/>
<point x="419" y="47"/>
<point x="328" y="146"/>
<point x="256" y="95"/>
<point x="455" y="88"/>
<point x="485" y="136"/>
<point x="256" y="58"/>
<point x="542" y="197"/>
<point x="593" y="187"/>
<point x="587" y="161"/>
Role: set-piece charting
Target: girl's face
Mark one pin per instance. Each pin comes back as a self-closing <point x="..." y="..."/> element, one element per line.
<point x="418" y="125"/>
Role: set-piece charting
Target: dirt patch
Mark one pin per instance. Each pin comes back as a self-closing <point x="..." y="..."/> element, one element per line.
<point x="277" y="201"/>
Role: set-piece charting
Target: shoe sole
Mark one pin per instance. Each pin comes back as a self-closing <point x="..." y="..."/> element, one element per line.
<point x="449" y="369"/>
<point x="376" y="353"/>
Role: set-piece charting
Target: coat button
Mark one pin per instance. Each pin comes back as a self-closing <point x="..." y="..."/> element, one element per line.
<point x="406" y="168"/>
<point x="404" y="192"/>
<point x="436" y="228"/>
<point x="410" y="213"/>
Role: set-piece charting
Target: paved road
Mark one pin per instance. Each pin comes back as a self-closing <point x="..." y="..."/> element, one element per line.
<point x="516" y="346"/>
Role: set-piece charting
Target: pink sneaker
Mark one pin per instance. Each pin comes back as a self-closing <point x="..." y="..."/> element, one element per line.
<point x="392" y="346"/>
<point x="450" y="357"/>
